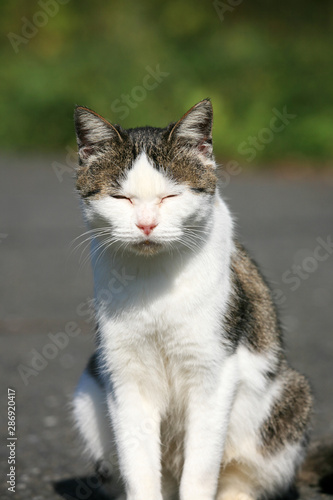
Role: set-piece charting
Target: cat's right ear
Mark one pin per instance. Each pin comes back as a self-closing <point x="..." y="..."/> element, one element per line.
<point x="92" y="130"/>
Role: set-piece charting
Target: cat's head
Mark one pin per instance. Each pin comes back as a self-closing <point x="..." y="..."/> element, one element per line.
<point x="147" y="189"/>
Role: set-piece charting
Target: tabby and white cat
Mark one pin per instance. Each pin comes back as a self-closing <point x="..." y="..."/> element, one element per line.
<point x="188" y="394"/>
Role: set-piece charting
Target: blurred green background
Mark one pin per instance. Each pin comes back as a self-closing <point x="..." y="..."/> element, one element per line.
<point x="249" y="57"/>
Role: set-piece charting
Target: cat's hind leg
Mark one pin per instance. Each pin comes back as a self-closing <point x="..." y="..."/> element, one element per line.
<point x="236" y="483"/>
<point x="262" y="477"/>
<point x="92" y="421"/>
<point x="264" y="464"/>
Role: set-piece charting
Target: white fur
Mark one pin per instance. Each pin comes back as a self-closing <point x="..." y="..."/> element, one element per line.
<point x="91" y="417"/>
<point x="165" y="364"/>
<point x="144" y="182"/>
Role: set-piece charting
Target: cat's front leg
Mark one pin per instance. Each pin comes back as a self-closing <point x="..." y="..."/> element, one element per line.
<point x="136" y="426"/>
<point x="207" y="423"/>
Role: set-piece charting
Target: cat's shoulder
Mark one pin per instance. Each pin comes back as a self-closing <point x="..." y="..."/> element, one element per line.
<point x="246" y="274"/>
<point x="252" y="316"/>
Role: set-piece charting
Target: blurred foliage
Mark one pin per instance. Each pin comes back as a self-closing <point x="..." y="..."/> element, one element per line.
<point x="249" y="58"/>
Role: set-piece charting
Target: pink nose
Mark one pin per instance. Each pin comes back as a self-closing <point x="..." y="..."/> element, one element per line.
<point x="146" y="228"/>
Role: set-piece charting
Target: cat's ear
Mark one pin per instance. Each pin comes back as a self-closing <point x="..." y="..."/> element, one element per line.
<point x="195" y="127"/>
<point x="91" y="130"/>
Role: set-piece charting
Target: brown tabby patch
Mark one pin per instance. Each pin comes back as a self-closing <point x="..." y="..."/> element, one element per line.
<point x="105" y="173"/>
<point x="252" y="317"/>
<point x="290" y="414"/>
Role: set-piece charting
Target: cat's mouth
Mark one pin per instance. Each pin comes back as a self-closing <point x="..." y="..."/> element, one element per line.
<point x="146" y="247"/>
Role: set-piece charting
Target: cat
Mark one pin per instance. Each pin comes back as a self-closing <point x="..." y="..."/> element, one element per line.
<point x="188" y="394"/>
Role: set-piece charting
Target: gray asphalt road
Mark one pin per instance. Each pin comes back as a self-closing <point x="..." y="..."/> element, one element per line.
<point x="44" y="287"/>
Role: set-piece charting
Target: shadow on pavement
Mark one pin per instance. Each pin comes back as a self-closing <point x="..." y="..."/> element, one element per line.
<point x="79" y="488"/>
<point x="316" y="474"/>
<point x="314" y="481"/>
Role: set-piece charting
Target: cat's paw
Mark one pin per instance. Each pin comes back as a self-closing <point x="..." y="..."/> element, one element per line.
<point x="103" y="470"/>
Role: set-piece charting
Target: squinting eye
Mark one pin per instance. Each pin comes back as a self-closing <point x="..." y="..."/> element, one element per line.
<point x="170" y="196"/>
<point x="120" y="197"/>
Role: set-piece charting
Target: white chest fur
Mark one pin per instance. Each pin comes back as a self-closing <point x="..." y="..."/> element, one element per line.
<point x="162" y="321"/>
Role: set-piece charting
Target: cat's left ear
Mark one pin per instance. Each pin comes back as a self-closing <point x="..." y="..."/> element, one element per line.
<point x="195" y="127"/>
<point x="91" y="131"/>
